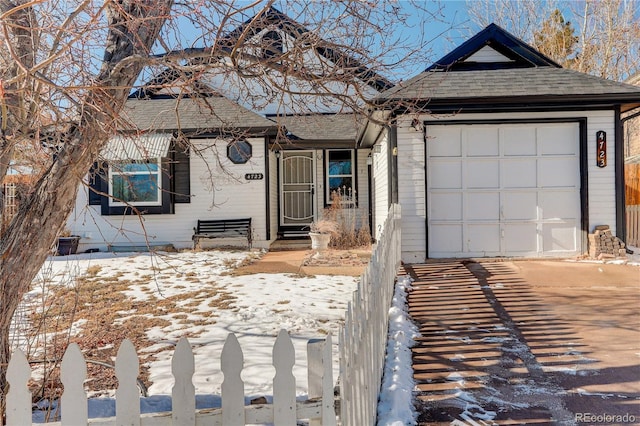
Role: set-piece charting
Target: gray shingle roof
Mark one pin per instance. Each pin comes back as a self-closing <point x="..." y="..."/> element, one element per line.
<point x="187" y="114"/>
<point x="320" y="127"/>
<point x="508" y="83"/>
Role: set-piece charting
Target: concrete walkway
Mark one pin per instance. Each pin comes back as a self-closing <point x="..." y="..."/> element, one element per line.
<point x="527" y="342"/>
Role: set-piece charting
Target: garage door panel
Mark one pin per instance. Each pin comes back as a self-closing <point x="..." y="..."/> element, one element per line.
<point x="520" y="141"/>
<point x="521" y="173"/>
<point x="444" y="141"/>
<point x="559" y="205"/>
<point x="445" y="174"/>
<point x="520" y="205"/>
<point x="558" y="140"/>
<point x="558" y="172"/>
<point x="446" y="206"/>
<point x="505" y="189"/>
<point x="520" y="238"/>
<point x="481" y="174"/>
<point x="482" y="206"/>
<point x="481" y="142"/>
<point x="483" y="238"/>
<point x="447" y="238"/>
<point x="559" y="237"/>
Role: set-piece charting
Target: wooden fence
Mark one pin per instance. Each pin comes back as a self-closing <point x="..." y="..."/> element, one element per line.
<point x="285" y="410"/>
<point x="633" y="225"/>
<point x="632" y="183"/>
<point x="363" y="339"/>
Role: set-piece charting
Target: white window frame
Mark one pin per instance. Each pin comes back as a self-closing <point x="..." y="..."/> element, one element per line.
<point x="115" y="170"/>
<point x="328" y="175"/>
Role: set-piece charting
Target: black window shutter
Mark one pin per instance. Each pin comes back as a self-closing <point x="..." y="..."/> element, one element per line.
<point x="97" y="183"/>
<point x="181" y="176"/>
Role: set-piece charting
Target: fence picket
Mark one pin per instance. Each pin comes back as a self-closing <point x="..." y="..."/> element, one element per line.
<point x="18" y="397"/>
<point x="73" y="372"/>
<point x="127" y="394"/>
<point x="363" y="336"/>
<point x="233" y="412"/>
<point x="633" y="225"/>
<point x="362" y="345"/>
<point x="328" y="403"/>
<point x="183" y="393"/>
<point x="232" y="389"/>
<point x="284" y="382"/>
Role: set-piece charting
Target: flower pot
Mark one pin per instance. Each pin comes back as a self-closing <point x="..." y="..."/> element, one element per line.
<point x="68" y="245"/>
<point x="319" y="241"/>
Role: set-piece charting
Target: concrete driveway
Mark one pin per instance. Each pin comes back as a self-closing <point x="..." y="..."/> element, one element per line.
<point x="526" y="342"/>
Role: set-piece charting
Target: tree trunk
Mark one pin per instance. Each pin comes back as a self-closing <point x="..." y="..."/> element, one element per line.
<point x="134" y="27"/>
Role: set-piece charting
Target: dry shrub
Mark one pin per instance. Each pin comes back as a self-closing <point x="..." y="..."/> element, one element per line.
<point x="344" y="214"/>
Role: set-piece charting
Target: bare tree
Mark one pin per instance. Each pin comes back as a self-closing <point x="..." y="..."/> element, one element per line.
<point x="608" y="31"/>
<point x="609" y="43"/>
<point x="556" y="38"/>
<point x="521" y="18"/>
<point x="67" y="68"/>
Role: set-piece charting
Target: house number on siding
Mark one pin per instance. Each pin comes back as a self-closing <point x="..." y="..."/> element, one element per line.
<point x="601" y="148"/>
<point x="254" y="176"/>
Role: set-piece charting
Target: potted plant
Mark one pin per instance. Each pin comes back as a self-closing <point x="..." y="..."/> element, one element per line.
<point x="67" y="243"/>
<point x="320" y="233"/>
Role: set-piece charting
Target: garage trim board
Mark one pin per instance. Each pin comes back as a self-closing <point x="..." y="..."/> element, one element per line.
<point x="506" y="188"/>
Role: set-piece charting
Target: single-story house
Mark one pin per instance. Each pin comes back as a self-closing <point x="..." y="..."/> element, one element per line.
<point x="496" y="150"/>
<point x="182" y="158"/>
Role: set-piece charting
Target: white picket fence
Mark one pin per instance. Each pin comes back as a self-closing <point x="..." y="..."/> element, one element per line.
<point x="633" y="225"/>
<point x="363" y="339"/>
<point x="285" y="410"/>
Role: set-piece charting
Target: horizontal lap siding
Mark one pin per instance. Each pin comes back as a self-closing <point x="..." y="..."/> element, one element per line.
<point x="273" y="194"/>
<point x="363" y="188"/>
<point x="216" y="195"/>
<point x="411" y="193"/>
<point x="602" y="181"/>
<point x="380" y="187"/>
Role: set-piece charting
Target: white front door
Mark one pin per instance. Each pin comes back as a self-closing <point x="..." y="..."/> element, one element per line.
<point x="503" y="190"/>
<point x="297" y="188"/>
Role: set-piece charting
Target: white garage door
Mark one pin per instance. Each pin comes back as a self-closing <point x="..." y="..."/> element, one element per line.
<point x="503" y="190"/>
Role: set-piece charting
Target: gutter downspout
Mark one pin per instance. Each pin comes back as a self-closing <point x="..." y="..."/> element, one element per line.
<point x="621" y="213"/>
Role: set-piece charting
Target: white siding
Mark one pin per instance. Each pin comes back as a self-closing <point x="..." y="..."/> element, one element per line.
<point x="273" y="194"/>
<point x="487" y="55"/>
<point x="411" y="192"/>
<point x="411" y="170"/>
<point x="380" y="172"/>
<point x="217" y="194"/>
<point x="362" y="179"/>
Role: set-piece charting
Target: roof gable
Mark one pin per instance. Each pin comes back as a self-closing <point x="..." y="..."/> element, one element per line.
<point x="492" y="48"/>
<point x="273" y="19"/>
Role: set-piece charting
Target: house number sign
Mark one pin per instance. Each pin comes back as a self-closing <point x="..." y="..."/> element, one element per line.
<point x="254" y="176"/>
<point x="601" y="148"/>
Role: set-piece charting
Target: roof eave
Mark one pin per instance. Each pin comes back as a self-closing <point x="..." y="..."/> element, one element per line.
<point x="626" y="101"/>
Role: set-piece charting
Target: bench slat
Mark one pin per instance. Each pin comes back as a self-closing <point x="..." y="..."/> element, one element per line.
<point x="222" y="228"/>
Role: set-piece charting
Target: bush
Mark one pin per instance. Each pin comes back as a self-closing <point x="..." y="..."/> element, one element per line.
<point x="343" y="213"/>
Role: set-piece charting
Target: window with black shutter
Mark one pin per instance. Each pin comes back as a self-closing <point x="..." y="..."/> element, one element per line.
<point x="130" y="185"/>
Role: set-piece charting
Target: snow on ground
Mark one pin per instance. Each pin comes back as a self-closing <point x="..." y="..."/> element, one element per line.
<point x="307" y="306"/>
<point x="395" y="406"/>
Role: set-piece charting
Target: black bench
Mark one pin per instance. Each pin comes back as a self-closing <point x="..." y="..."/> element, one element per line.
<point x="223" y="228"/>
